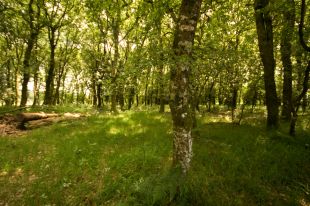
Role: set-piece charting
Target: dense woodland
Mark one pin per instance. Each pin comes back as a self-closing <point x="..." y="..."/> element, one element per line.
<point x="185" y="57"/>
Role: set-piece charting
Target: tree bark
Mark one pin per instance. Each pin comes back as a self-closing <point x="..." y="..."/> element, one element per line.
<point x="265" y="43"/>
<point x="305" y="85"/>
<point x="35" y="87"/>
<point x="34" y="32"/>
<point x="26" y="72"/>
<point x="49" y="83"/>
<point x="297" y="102"/>
<point x="286" y="50"/>
<point x="180" y="83"/>
<point x="94" y="91"/>
<point x="161" y="71"/>
<point x="116" y="30"/>
<point x="130" y="97"/>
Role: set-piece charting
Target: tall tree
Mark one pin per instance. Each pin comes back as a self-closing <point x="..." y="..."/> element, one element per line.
<point x="286" y="50"/>
<point x="180" y="83"/>
<point x="32" y="19"/>
<point x="56" y="15"/>
<point x="305" y="85"/>
<point x="116" y="20"/>
<point x="265" y="43"/>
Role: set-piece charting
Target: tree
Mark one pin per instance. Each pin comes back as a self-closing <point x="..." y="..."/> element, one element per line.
<point x="34" y="24"/>
<point x="265" y="43"/>
<point x="286" y="50"/>
<point x="305" y="85"/>
<point x="56" y="17"/>
<point x="180" y="83"/>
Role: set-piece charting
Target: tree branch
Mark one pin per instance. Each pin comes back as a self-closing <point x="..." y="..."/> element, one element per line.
<point x="301" y="25"/>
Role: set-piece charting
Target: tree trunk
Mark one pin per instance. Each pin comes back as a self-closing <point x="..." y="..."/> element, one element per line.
<point x="121" y="97"/>
<point x="9" y="100"/>
<point x="297" y="102"/>
<point x="16" y="86"/>
<point x="161" y="72"/>
<point x="265" y="43"/>
<point x="234" y="102"/>
<point x="49" y="84"/>
<point x="130" y="97"/>
<point x="161" y="90"/>
<point x="99" y="98"/>
<point x="210" y="96"/>
<point x="34" y="32"/>
<point x="94" y="91"/>
<point x="137" y="99"/>
<point x="58" y="82"/>
<point x="35" y="87"/>
<point x="305" y="84"/>
<point x="26" y="64"/>
<point x="113" y="97"/>
<point x="116" y="30"/>
<point x="180" y="83"/>
<point x="286" y="50"/>
<point x="146" y="86"/>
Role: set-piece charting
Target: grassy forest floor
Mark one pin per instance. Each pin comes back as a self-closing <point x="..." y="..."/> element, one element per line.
<point x="126" y="160"/>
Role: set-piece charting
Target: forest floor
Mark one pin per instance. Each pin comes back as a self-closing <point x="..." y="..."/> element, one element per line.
<point x="126" y="160"/>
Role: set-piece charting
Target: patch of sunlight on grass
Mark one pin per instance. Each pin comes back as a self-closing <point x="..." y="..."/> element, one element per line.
<point x="218" y="118"/>
<point x="3" y="173"/>
<point x="114" y="130"/>
<point x="19" y="171"/>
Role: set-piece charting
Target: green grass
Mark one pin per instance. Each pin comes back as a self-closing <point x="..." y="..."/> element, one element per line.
<point x="126" y="160"/>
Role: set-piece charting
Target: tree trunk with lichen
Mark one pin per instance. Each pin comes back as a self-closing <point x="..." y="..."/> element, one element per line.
<point x="180" y="83"/>
<point x="265" y="44"/>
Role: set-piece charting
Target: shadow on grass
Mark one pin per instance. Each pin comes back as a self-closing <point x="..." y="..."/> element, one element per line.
<point x="126" y="160"/>
<point x="246" y="165"/>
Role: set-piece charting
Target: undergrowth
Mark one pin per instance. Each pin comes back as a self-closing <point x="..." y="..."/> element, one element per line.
<point x="126" y="160"/>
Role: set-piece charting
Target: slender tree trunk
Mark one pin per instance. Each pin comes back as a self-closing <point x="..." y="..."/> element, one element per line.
<point x="130" y="97"/>
<point x="297" y="102"/>
<point x="9" y="101"/>
<point x="161" y="87"/>
<point x="19" y="52"/>
<point x="35" y="86"/>
<point x="34" y="32"/>
<point x="234" y="102"/>
<point x="16" y="86"/>
<point x="210" y="96"/>
<point x="99" y="98"/>
<point x="94" y="91"/>
<point x="265" y="43"/>
<point x="26" y="64"/>
<point x="137" y="99"/>
<point x="58" y="82"/>
<point x="146" y="87"/>
<point x="305" y="84"/>
<point x="121" y="97"/>
<point x="49" y="83"/>
<point x="286" y="50"/>
<point x="116" y="29"/>
<point x="180" y="83"/>
<point x="161" y="72"/>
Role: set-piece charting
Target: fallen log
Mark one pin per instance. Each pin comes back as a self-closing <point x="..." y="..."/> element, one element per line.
<point x="23" y="118"/>
<point x="44" y="122"/>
